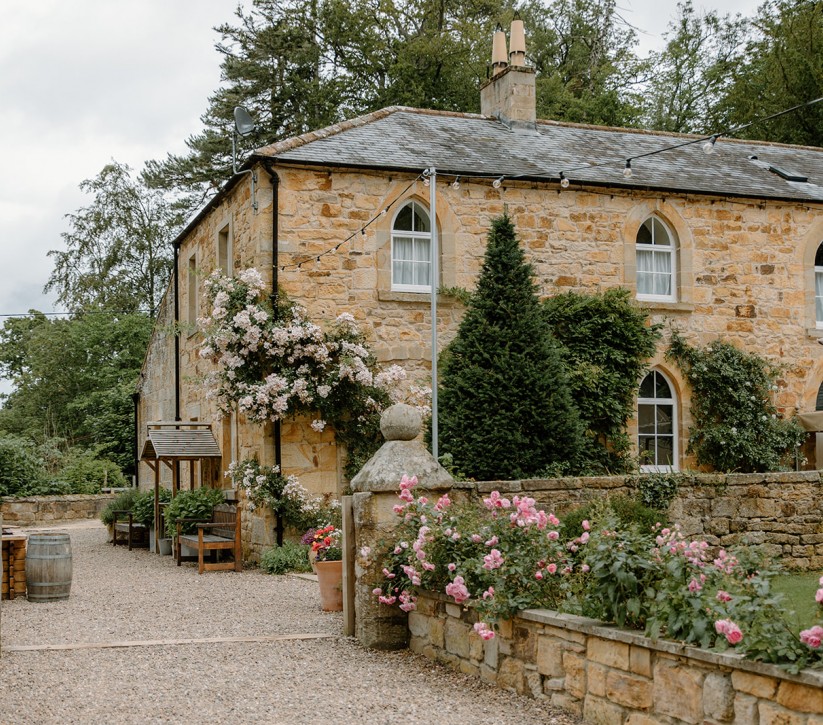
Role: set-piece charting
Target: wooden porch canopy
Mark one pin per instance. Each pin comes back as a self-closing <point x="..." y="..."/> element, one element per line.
<point x="170" y="443"/>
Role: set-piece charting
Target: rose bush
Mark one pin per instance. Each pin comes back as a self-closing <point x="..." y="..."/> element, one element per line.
<point x="274" y="362"/>
<point x="509" y="555"/>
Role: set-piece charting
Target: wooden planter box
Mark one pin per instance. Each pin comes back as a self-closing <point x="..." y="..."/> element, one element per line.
<point x="14" y="567"/>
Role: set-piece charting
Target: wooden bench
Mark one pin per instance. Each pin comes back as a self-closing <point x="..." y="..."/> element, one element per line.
<point x="135" y="534"/>
<point x="222" y="533"/>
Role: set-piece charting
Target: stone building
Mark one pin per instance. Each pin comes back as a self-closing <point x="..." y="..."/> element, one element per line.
<point x="722" y="244"/>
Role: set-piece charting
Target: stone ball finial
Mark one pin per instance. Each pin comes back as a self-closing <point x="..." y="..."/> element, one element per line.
<point x="400" y="422"/>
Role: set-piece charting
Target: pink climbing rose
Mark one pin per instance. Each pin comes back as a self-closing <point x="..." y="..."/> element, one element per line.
<point x="458" y="590"/>
<point x="484" y="630"/>
<point x="493" y="560"/>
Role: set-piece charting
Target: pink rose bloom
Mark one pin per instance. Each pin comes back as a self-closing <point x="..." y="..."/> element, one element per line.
<point x="538" y="575"/>
<point x="551" y="568"/>
<point x="586" y="525"/>
<point x="458" y="590"/>
<point x="818" y="597"/>
<point x="584" y="538"/>
<point x="443" y="502"/>
<point x="489" y="593"/>
<point x="452" y="567"/>
<point x="694" y="586"/>
<point x="552" y="536"/>
<point x="423" y="500"/>
<point x="388" y="600"/>
<point x="553" y="520"/>
<point x="492" y="542"/>
<point x="820" y="581"/>
<point x="377" y="591"/>
<point x="398" y="508"/>
<point x="723" y="596"/>
<point x="428" y="566"/>
<point x="483" y="630"/>
<point x="493" y="560"/>
<point x="476" y="538"/>
<point x="812" y="637"/>
<point x="585" y="568"/>
<point x="728" y="629"/>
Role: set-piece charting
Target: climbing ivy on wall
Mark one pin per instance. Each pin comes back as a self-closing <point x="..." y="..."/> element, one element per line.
<point x="736" y="425"/>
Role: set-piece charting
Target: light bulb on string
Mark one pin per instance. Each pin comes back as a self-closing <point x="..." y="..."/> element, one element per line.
<point x="627" y="172"/>
<point x="426" y="181"/>
<point x="708" y="146"/>
<point x="456" y="184"/>
<point x="497" y="182"/>
<point x="383" y="213"/>
<point x="564" y="182"/>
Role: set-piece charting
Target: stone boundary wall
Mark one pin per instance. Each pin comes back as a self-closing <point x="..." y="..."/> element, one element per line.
<point x="781" y="511"/>
<point x="609" y="675"/>
<point x="34" y="510"/>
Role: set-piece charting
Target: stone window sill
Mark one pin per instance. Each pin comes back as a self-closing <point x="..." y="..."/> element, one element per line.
<point x="422" y="298"/>
<point x="666" y="306"/>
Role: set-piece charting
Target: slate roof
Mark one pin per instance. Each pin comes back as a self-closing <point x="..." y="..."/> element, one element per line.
<point x="410" y="139"/>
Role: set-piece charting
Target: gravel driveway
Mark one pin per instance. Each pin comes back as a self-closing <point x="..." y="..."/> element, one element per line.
<point x="292" y="667"/>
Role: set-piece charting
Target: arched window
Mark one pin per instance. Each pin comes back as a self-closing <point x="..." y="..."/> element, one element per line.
<point x="411" y="249"/>
<point x="656" y="261"/>
<point x="656" y="424"/>
<point x="818" y="286"/>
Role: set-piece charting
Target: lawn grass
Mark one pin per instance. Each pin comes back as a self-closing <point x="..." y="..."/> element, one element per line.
<point x="799" y="590"/>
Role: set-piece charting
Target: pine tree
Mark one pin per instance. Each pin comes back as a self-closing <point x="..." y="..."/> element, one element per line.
<point x="505" y="406"/>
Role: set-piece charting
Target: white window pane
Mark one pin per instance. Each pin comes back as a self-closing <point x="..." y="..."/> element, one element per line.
<point x="818" y="295"/>
<point x="402" y="272"/>
<point x="422" y="249"/>
<point x="421" y="273"/>
<point x="403" y="248"/>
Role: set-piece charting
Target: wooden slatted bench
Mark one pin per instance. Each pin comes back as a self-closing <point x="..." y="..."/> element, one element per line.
<point x="222" y="533"/>
<point x="135" y="534"/>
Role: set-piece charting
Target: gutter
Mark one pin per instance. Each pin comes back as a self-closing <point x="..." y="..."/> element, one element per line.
<point x="275" y="258"/>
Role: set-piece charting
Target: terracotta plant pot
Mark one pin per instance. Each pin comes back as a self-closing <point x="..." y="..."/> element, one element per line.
<point x="330" y="579"/>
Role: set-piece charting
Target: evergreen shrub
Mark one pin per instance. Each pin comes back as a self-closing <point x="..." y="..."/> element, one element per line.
<point x="506" y="410"/>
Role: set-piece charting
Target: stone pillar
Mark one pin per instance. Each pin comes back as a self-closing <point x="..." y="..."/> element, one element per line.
<point x="375" y="493"/>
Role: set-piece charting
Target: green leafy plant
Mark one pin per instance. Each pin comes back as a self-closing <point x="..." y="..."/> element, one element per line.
<point x="197" y="504"/>
<point x="86" y="472"/>
<point x="283" y="559"/>
<point x="142" y="510"/>
<point x="626" y="510"/>
<point x="124" y="501"/>
<point x="736" y="426"/>
<point x="606" y="341"/>
<point x="20" y="466"/>
<point x="656" y="490"/>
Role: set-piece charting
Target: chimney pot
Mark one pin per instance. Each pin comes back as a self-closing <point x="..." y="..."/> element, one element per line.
<point x="499" y="54"/>
<point x="517" y="44"/>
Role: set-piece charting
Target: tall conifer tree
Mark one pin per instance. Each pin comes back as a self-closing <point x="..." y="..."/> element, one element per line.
<point x="505" y="406"/>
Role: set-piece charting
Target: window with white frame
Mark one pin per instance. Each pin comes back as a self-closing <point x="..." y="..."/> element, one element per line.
<point x="818" y="286"/>
<point x="656" y="262"/>
<point x="657" y="424"/>
<point x="411" y="249"/>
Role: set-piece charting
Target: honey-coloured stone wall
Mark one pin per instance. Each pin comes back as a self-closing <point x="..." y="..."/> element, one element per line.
<point x="608" y="675"/>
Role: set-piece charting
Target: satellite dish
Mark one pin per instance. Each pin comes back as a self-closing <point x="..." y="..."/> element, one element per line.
<point x="243" y="122"/>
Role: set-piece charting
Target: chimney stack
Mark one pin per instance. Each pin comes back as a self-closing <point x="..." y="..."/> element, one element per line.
<point x="509" y="95"/>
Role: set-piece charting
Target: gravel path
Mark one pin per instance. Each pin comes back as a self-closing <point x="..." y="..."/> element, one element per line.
<point x="124" y="596"/>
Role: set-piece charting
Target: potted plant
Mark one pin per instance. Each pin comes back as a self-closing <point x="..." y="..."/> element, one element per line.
<point x="328" y="549"/>
<point x="143" y="513"/>
<point x="192" y="506"/>
<point x="124" y="501"/>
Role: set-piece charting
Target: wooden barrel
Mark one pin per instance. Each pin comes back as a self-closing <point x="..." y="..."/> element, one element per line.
<point x="48" y="567"/>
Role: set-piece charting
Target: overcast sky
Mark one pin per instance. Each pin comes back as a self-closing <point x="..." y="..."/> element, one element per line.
<point x="87" y="81"/>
